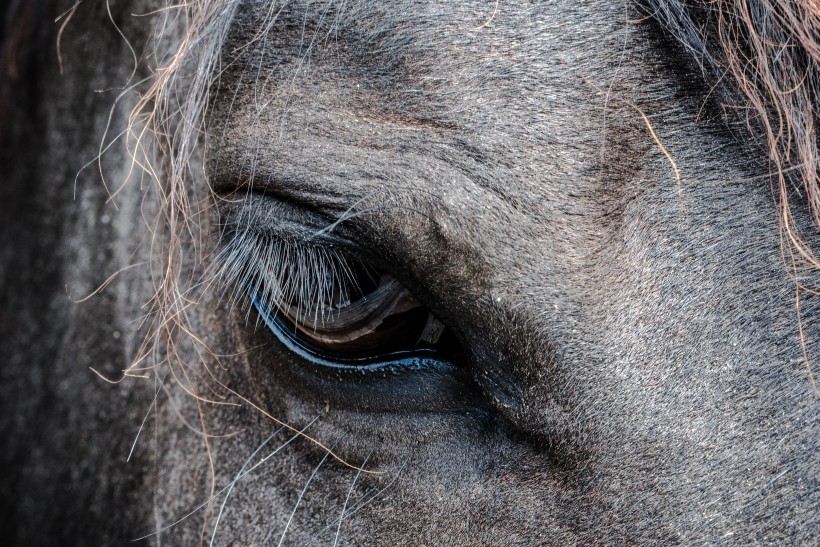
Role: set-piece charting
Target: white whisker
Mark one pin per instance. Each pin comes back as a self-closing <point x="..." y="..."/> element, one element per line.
<point x="365" y="500"/>
<point x="145" y="419"/>
<point x="204" y="504"/>
<point x="347" y="499"/>
<point x="299" y="500"/>
<point x="236" y="478"/>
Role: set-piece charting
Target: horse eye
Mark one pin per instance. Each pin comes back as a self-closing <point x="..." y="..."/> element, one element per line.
<point x="334" y="309"/>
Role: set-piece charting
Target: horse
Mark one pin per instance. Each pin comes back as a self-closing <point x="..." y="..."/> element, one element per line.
<point x="357" y="272"/>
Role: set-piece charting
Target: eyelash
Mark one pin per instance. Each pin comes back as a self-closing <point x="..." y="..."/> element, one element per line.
<point x="271" y="270"/>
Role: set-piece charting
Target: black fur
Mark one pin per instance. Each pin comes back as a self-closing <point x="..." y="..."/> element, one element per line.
<point x="542" y="175"/>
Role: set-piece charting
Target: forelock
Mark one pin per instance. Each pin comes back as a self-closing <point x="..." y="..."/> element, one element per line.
<point x="762" y="59"/>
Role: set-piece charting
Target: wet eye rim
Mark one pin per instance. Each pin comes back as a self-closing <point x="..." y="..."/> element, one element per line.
<point x="411" y="359"/>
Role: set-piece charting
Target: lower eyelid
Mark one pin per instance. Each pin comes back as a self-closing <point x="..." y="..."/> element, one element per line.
<point x="412" y="382"/>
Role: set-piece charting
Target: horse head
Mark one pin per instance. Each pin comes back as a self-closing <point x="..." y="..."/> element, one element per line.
<point x="357" y="272"/>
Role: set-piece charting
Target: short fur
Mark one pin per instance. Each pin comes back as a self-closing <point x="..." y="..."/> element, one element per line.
<point x="582" y="191"/>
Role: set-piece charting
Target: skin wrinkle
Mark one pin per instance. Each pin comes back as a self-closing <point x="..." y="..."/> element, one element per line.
<point x="636" y="371"/>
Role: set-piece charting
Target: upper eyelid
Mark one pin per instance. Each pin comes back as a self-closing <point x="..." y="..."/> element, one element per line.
<point x="270" y="218"/>
<point x="308" y="192"/>
<point x="274" y="216"/>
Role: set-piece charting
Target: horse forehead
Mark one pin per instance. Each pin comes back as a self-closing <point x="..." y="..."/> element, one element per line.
<point x="482" y="109"/>
<point x="429" y="26"/>
<point x="427" y="65"/>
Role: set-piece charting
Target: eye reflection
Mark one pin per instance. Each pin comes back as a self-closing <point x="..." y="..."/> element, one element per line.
<point x="376" y="316"/>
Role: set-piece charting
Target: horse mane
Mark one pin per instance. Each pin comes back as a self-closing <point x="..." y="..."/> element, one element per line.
<point x="762" y="57"/>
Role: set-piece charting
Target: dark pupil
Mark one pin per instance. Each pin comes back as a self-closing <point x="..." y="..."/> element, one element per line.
<point x="360" y="313"/>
